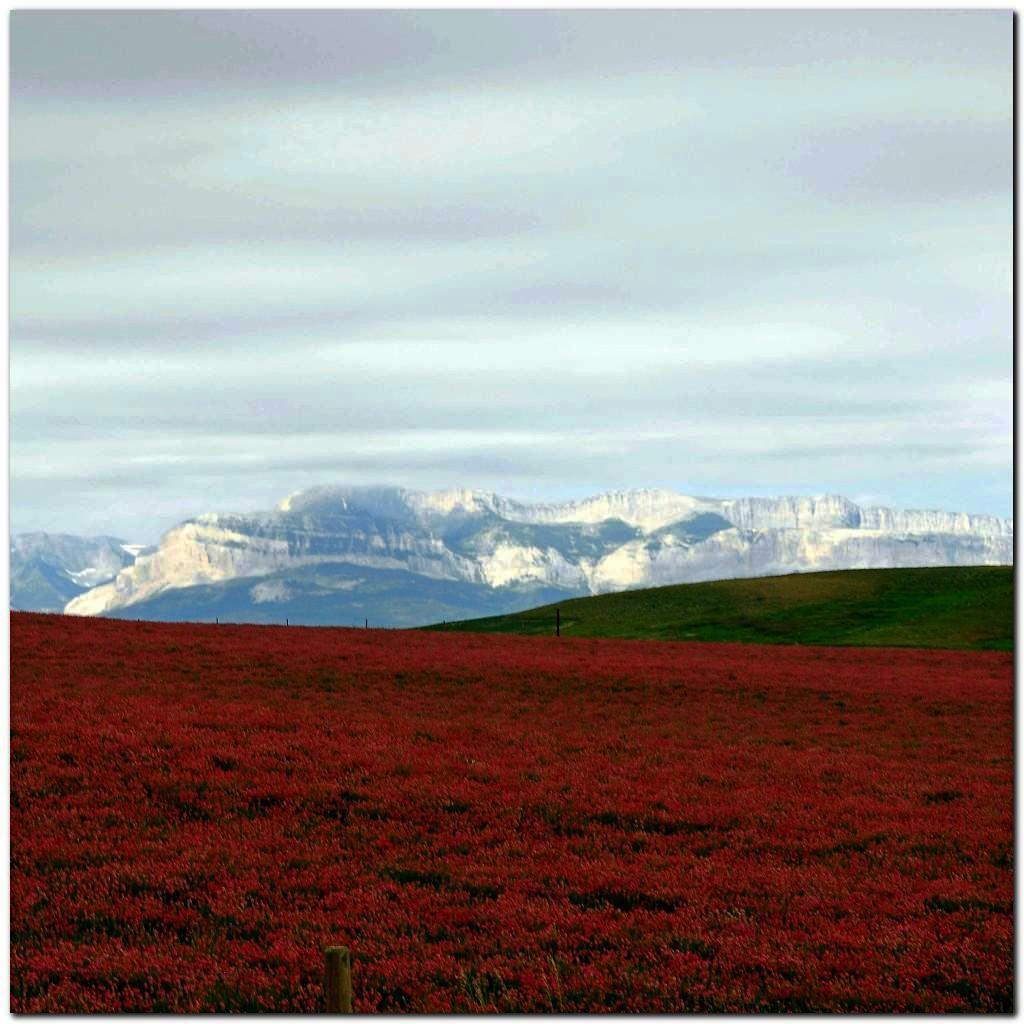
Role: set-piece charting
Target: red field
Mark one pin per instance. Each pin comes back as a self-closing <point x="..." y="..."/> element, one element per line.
<point x="504" y="823"/>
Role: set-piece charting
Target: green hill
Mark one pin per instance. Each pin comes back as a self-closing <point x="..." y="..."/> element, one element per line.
<point x="970" y="607"/>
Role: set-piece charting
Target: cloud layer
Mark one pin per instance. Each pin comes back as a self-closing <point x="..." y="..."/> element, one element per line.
<point x="541" y="252"/>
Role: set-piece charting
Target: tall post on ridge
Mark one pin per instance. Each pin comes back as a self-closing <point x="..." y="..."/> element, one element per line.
<point x="366" y="623"/>
<point x="338" y="980"/>
<point x="558" y="622"/>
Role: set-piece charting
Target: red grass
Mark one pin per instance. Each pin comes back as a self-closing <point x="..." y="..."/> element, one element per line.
<point x="504" y="823"/>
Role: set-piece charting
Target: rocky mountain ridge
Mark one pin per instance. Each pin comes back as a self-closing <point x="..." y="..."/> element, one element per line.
<point x="609" y="542"/>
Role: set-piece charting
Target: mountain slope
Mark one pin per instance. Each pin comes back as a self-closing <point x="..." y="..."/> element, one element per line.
<point x="604" y="544"/>
<point x="50" y="569"/>
<point x="336" y="595"/>
<point x="943" y="607"/>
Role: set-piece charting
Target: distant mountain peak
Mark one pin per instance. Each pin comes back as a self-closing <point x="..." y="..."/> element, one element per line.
<point x="50" y="569"/>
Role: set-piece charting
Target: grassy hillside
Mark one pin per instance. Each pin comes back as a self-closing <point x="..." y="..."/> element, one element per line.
<point x="970" y="607"/>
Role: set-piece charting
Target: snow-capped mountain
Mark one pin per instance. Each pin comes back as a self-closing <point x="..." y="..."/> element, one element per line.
<point x="609" y="542"/>
<point x="49" y="569"/>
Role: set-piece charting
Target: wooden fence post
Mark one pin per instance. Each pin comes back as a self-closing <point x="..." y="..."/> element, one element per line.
<point x="338" y="980"/>
<point x="558" y="622"/>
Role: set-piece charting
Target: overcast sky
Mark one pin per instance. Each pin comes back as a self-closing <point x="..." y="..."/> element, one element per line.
<point x="544" y="253"/>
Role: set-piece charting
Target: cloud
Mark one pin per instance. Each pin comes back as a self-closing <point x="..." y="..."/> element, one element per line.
<point x="546" y="250"/>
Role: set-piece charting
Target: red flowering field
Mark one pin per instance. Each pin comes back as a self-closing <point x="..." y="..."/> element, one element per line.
<point x="504" y="823"/>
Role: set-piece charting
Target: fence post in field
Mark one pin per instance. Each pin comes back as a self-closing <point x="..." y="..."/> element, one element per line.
<point x="558" y="622"/>
<point x="338" y="980"/>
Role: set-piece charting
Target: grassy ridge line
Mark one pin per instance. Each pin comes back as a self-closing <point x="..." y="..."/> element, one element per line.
<point x="951" y="607"/>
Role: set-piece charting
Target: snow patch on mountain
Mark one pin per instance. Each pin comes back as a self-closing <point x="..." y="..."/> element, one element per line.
<point x="510" y="563"/>
<point x="646" y="509"/>
<point x="91" y="577"/>
<point x="271" y="591"/>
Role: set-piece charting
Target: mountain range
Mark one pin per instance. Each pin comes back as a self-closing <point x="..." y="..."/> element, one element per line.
<point x="392" y="556"/>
